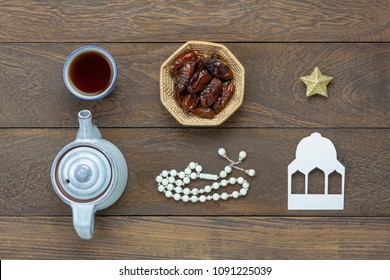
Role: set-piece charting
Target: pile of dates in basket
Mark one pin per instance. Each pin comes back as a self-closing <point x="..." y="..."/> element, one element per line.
<point x="202" y="84"/>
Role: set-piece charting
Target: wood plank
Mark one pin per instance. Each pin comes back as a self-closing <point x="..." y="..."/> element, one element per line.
<point x="33" y="93"/>
<point x="151" y="21"/>
<point x="197" y="238"/>
<point x="27" y="156"/>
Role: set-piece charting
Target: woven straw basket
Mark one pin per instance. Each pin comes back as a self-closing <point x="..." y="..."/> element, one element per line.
<point x="167" y="84"/>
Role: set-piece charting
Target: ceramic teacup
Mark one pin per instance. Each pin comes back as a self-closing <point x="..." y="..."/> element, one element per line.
<point x="90" y="73"/>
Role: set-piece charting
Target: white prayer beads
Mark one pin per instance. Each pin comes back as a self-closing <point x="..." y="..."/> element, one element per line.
<point x="172" y="183"/>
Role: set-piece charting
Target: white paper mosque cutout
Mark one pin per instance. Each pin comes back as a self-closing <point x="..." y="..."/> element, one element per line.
<point x="314" y="152"/>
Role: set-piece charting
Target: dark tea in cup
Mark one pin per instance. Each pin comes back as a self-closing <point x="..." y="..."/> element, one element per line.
<point x="90" y="73"/>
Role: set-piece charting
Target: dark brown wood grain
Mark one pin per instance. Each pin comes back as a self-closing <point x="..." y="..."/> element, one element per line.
<point x="33" y="93"/>
<point x="277" y="42"/>
<point x="28" y="154"/>
<point x="151" y="21"/>
<point x="197" y="238"/>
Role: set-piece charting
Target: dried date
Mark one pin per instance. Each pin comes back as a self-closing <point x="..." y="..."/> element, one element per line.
<point x="217" y="68"/>
<point x="190" y="101"/>
<point x="210" y="93"/>
<point x="185" y="74"/>
<point x="224" y="97"/>
<point x="206" y="113"/>
<point x="199" y="80"/>
<point x="181" y="60"/>
<point x="178" y="95"/>
<point x="202" y="84"/>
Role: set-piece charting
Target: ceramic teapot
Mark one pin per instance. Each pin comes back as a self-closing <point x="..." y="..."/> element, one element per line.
<point x="89" y="174"/>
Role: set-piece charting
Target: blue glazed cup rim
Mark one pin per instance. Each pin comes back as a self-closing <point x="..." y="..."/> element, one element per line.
<point x="73" y="89"/>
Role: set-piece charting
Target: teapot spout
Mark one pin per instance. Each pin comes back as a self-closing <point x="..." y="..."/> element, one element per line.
<point x="87" y="130"/>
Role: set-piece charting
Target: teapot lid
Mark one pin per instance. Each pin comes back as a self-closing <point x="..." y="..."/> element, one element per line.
<point x="83" y="174"/>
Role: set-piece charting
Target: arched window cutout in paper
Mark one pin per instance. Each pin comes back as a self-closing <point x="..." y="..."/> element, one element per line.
<point x="334" y="183"/>
<point x="316" y="181"/>
<point x="298" y="183"/>
<point x="314" y="152"/>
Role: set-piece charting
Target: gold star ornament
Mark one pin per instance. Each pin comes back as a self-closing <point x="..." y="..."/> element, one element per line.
<point x="316" y="83"/>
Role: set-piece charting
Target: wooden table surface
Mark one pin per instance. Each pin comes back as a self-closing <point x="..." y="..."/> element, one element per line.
<point x="277" y="42"/>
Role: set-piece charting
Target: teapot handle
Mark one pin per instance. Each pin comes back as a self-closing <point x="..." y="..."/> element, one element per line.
<point x="83" y="220"/>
